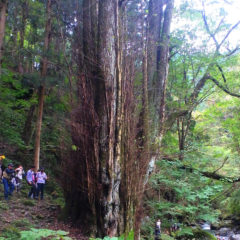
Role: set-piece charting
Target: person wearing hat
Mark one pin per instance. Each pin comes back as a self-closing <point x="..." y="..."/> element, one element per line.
<point x="41" y="180"/>
<point x="8" y="174"/>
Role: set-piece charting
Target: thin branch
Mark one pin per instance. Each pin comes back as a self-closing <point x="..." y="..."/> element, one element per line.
<point x="228" y="33"/>
<point x="207" y="26"/>
<point x="222" y="87"/>
<point x="219" y="25"/>
<point x="224" y="161"/>
<point x="222" y="73"/>
<point x="212" y="175"/>
<point x="231" y="52"/>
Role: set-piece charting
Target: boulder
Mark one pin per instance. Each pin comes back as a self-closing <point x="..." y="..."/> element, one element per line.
<point x="224" y="231"/>
<point x="235" y="237"/>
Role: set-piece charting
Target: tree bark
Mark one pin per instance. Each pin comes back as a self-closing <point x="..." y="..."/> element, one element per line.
<point x="27" y="131"/>
<point x="108" y="108"/>
<point x="3" y="9"/>
<point x="24" y="9"/>
<point x="162" y="64"/>
<point x="97" y="122"/>
<point x="41" y="91"/>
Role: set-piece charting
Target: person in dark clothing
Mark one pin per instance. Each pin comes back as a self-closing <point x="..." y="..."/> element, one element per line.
<point x="8" y="174"/>
<point x="41" y="180"/>
<point x="158" y="230"/>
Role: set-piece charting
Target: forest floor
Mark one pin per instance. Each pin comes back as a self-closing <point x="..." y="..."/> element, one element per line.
<point x="21" y="213"/>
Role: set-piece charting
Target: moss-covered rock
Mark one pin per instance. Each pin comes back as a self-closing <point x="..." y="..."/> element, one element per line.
<point x="194" y="234"/>
<point x="202" y="235"/>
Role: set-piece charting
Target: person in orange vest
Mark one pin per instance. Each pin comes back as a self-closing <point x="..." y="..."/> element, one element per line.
<point x="1" y="166"/>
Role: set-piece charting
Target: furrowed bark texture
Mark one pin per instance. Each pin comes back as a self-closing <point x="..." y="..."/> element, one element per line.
<point x="110" y="144"/>
<point x="96" y="125"/>
<point x="109" y="112"/>
<point x="162" y="64"/>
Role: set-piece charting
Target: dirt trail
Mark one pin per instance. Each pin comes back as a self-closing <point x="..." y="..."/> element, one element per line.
<point x="20" y="210"/>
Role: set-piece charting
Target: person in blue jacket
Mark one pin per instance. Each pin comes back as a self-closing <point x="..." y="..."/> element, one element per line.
<point x="8" y="174"/>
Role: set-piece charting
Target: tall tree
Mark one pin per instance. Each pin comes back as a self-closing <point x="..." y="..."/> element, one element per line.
<point x="162" y="64"/>
<point x="3" y="9"/>
<point x="41" y="90"/>
<point x="98" y="118"/>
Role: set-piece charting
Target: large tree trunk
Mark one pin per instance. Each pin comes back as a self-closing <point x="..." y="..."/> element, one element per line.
<point x="3" y="9"/>
<point x="109" y="111"/>
<point x="96" y="126"/>
<point x="41" y="91"/>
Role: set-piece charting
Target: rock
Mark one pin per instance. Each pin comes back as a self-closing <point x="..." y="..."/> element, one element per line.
<point x="222" y="224"/>
<point x="224" y="231"/>
<point x="201" y="234"/>
<point x="235" y="237"/>
<point x="39" y="216"/>
<point x="206" y="226"/>
<point x="27" y="214"/>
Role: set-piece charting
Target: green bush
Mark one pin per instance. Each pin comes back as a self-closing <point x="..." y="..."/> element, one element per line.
<point x="166" y="237"/>
<point x="234" y="203"/>
<point x="38" y="234"/>
<point x="10" y="232"/>
<point x="188" y="233"/>
<point x="21" y="223"/>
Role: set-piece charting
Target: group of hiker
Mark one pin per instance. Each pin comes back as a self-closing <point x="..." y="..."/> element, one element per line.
<point x="12" y="178"/>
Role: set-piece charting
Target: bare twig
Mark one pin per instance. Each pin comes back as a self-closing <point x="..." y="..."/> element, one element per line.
<point x="224" y="161"/>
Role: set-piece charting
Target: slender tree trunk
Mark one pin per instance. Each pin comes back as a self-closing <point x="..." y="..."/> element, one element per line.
<point x="27" y="131"/>
<point x="41" y="91"/>
<point x="162" y="64"/>
<point x="22" y="35"/>
<point x="3" y="9"/>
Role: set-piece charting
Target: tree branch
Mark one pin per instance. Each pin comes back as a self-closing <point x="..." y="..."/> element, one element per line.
<point x="222" y="73"/>
<point x="224" y="161"/>
<point x="222" y="87"/>
<point x="231" y="52"/>
<point x="228" y="33"/>
<point x="207" y="26"/>
<point x="198" y="88"/>
<point x="212" y="175"/>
